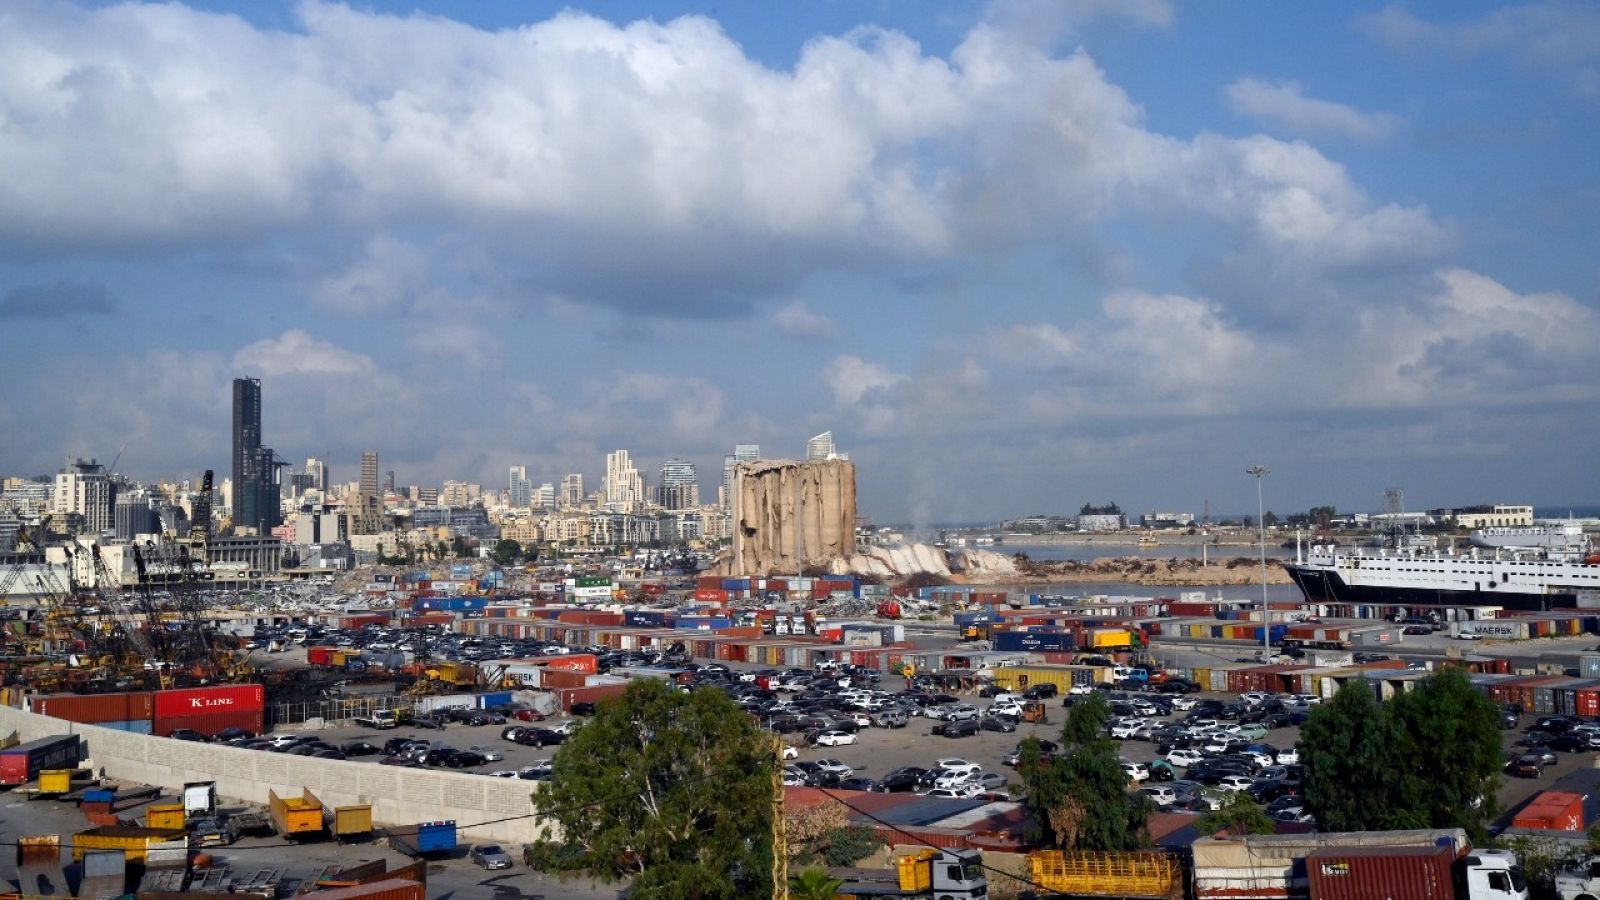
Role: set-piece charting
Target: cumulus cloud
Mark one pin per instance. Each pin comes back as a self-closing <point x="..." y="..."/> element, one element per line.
<point x="58" y="300"/>
<point x="621" y="164"/>
<point x="851" y="379"/>
<point x="296" y="352"/>
<point x="1285" y="104"/>
<point x="799" y="320"/>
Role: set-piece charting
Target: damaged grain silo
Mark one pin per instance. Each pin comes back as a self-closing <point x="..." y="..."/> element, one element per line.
<point x="791" y="515"/>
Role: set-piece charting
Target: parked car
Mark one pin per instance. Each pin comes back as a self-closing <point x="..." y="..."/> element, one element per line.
<point x="360" y="748"/>
<point x="963" y="728"/>
<point x="904" y="778"/>
<point x="186" y="734"/>
<point x="835" y="738"/>
<point x="490" y="856"/>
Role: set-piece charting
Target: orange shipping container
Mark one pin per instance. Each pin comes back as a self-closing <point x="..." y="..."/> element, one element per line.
<point x="1552" y="811"/>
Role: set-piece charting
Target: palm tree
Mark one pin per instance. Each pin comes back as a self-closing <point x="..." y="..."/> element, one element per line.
<point x="814" y="884"/>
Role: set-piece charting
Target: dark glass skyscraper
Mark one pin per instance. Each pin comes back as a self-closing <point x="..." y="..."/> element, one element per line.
<point x="255" y="488"/>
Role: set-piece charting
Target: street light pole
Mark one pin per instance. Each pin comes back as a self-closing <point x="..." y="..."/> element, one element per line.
<point x="1260" y="472"/>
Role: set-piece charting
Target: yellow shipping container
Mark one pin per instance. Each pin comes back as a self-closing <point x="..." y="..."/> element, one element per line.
<point x="1110" y="637"/>
<point x="133" y="841"/>
<point x="167" y="815"/>
<point x="55" y="781"/>
<point x="351" y="821"/>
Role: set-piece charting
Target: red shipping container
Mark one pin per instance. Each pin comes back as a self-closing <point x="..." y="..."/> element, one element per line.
<point x="708" y="583"/>
<point x="1586" y="703"/>
<point x="389" y="889"/>
<point x="711" y="595"/>
<point x="650" y="589"/>
<point x="590" y="694"/>
<point x="102" y="818"/>
<point x="551" y="679"/>
<point x="1552" y="811"/>
<point x="1362" y="873"/>
<point x="90" y="709"/>
<point x="202" y="701"/>
<point x="572" y="662"/>
<point x="209" y="724"/>
<point x="319" y="656"/>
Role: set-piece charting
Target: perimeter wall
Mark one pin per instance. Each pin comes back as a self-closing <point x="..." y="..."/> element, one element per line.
<point x="399" y="796"/>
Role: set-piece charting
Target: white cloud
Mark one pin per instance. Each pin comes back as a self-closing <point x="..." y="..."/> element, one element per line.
<point x="1559" y="36"/>
<point x="851" y="379"/>
<point x="799" y="320"/>
<point x="555" y="144"/>
<point x="1285" y="104"/>
<point x="297" y="353"/>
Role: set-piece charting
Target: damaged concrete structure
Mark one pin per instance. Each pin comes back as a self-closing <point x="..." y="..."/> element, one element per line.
<point x="790" y="515"/>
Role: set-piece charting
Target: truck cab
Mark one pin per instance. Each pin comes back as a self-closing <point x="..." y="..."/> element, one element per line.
<point x="1493" y="875"/>
<point x="1581" y="883"/>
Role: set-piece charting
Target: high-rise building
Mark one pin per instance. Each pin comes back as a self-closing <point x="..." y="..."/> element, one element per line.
<point x="545" y="496"/>
<point x="624" y="488"/>
<point x="133" y="515"/>
<point x="821" y="448"/>
<point x="318" y="472"/>
<point x="369" y="500"/>
<point x="520" y="488"/>
<point x="741" y="453"/>
<point x="678" y="488"/>
<point x="571" y="494"/>
<point x="388" y="482"/>
<point x="256" y="491"/>
<point x="83" y="488"/>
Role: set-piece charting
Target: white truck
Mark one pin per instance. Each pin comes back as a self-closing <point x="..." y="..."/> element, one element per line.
<point x="381" y="719"/>
<point x="1580" y="884"/>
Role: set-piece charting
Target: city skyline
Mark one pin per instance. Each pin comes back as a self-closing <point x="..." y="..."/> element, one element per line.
<point x="1012" y="255"/>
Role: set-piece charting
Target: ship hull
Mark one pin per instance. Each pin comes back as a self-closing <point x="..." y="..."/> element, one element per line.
<point x="1326" y="586"/>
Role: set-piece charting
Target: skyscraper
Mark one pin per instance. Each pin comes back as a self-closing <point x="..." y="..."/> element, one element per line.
<point x="571" y="494"/>
<point x="256" y="491"/>
<point x="370" y="500"/>
<point x="741" y="453"/>
<point x="82" y="488"/>
<point x="545" y="496"/>
<point x="624" y="488"/>
<point x="369" y="473"/>
<point x="520" y="488"/>
<point x="678" y="489"/>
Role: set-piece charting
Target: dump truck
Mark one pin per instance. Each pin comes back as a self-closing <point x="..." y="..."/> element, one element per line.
<point x="424" y="838"/>
<point x="1141" y="875"/>
<point x="135" y="842"/>
<point x="199" y="799"/>
<point x="350" y="823"/>
<point x="296" y="817"/>
<point x="1414" y="873"/>
<point x="22" y="763"/>
<point x="941" y="874"/>
<point x="381" y="719"/>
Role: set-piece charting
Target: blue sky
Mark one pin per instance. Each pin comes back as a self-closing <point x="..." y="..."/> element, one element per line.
<point x="1017" y="256"/>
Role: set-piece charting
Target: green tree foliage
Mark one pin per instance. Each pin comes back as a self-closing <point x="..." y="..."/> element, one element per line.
<point x="1079" y="799"/>
<point x="1238" y="815"/>
<point x="849" y="845"/>
<point x="1429" y="758"/>
<point x="669" y="789"/>
<point x="505" y="551"/>
<point x="814" y="884"/>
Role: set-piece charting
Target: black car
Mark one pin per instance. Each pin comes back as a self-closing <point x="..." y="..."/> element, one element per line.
<point x="539" y="737"/>
<point x="998" y="723"/>
<point x="360" y="748"/>
<point x="186" y="734"/>
<point x="1266" y="791"/>
<point x="964" y="728"/>
<point x="905" y="778"/>
<point x="816" y="776"/>
<point x="863" y="784"/>
<point x="1041" y="692"/>
<point x="233" y="735"/>
<point x="1572" y="742"/>
<point x="466" y="759"/>
<point x="582" y="708"/>
<point x="394" y="746"/>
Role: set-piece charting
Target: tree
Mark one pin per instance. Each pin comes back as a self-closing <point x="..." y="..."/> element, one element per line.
<point x="1238" y="815"/>
<point x="814" y="884"/>
<point x="505" y="551"/>
<point x="1079" y="799"/>
<point x="1429" y="758"/>
<point x="1450" y="744"/>
<point x="1348" y="748"/>
<point x="673" y="790"/>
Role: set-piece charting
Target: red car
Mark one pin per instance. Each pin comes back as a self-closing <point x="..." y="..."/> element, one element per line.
<point x="528" y="715"/>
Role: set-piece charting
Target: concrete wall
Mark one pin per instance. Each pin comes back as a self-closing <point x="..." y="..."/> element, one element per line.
<point x="399" y="796"/>
<point x="781" y="508"/>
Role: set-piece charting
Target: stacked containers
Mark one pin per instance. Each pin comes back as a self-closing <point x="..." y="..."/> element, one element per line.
<point x="211" y="709"/>
<point x="125" y="712"/>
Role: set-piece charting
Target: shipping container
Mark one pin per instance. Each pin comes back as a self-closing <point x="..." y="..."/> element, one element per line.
<point x="295" y="817"/>
<point x="96" y="709"/>
<point x="142" y="726"/>
<point x="197" y="701"/>
<point x="350" y="823"/>
<point x="1362" y="873"/>
<point x="1552" y="811"/>
<point x="209" y="724"/>
<point x="23" y="763"/>
<point x="135" y="842"/>
<point x="168" y="816"/>
<point x="424" y="838"/>
<point x="1034" y="641"/>
<point x="388" y="889"/>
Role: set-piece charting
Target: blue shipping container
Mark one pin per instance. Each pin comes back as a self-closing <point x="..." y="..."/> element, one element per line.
<point x="136" y="726"/>
<point x="494" y="699"/>
<point x="1034" y="641"/>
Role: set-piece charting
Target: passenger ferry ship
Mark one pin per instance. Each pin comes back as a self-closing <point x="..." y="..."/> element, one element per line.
<point x="1521" y="579"/>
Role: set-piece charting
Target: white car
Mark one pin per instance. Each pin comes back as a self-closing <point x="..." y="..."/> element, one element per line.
<point x="1184" y="758"/>
<point x="1235" y="782"/>
<point x="952" y="779"/>
<point x="790" y="752"/>
<point x="1005" y="709"/>
<point x="1124" y="730"/>
<point x="836" y="767"/>
<point x="1080" y="690"/>
<point x="835" y="739"/>
<point x="1160" y="794"/>
<point x="1288" y="756"/>
<point x="1136" y="771"/>
<point x="960" y="713"/>
<point x="283" y="740"/>
<point x="959" y="792"/>
<point x="1255" y="698"/>
<point x="793" y="779"/>
<point x="488" y="755"/>
<point x="957" y="764"/>
<point x="1184" y="703"/>
<point x="1262" y="758"/>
